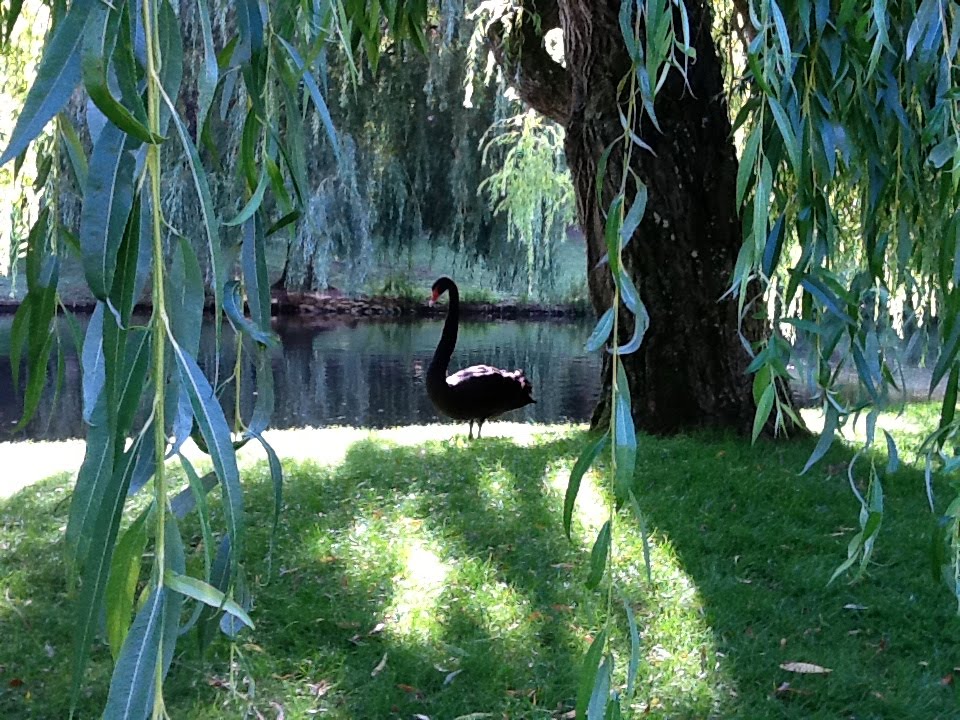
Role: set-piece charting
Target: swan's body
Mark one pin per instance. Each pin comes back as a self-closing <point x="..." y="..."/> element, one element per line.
<point x="474" y="393"/>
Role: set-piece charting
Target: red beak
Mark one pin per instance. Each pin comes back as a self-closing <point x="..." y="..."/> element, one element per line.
<point x="433" y="298"/>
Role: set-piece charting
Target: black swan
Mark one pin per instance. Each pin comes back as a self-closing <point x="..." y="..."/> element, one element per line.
<point x="474" y="393"/>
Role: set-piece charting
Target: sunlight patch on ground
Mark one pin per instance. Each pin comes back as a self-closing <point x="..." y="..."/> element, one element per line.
<point x="27" y="462"/>
<point x="891" y="422"/>
<point x="417" y="589"/>
<point x="498" y="488"/>
<point x="677" y="644"/>
<point x="590" y="509"/>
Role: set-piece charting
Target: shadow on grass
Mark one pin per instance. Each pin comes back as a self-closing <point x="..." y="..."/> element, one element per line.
<point x="435" y="580"/>
<point x="760" y="542"/>
<point x="445" y="559"/>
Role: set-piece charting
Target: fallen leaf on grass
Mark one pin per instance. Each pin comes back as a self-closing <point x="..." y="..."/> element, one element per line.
<point x="319" y="689"/>
<point x="418" y="716"/>
<point x="16" y="682"/>
<point x="410" y="689"/>
<point x="786" y="691"/>
<point x="947" y="680"/>
<point x="805" y="668"/>
<point x="380" y="666"/>
<point x="474" y="716"/>
<point x="377" y="629"/>
<point x="854" y="606"/>
<point x="450" y="676"/>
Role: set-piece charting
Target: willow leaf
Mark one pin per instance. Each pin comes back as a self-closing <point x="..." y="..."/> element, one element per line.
<point x="58" y="74"/>
<point x="100" y="36"/>
<point x="185" y="289"/>
<point x="92" y="361"/>
<point x="92" y="480"/>
<point x="634" y="649"/>
<point x="208" y="215"/>
<point x="276" y="475"/>
<point x="576" y="476"/>
<point x="101" y="538"/>
<point x="612" y="235"/>
<point x="209" y="73"/>
<point x="263" y="408"/>
<point x="176" y="563"/>
<point x="216" y="434"/>
<point x="600" y="695"/>
<point x="764" y="406"/>
<point x="255" y="278"/>
<point x="171" y="50"/>
<point x="637" y="210"/>
<point x="831" y="422"/>
<point x="133" y="684"/>
<point x="75" y="152"/>
<point x="132" y="378"/>
<point x="625" y="436"/>
<point x="233" y="307"/>
<point x="640" y="326"/>
<point x="253" y="204"/>
<point x="598" y="557"/>
<point x="107" y="201"/>
<point x="315" y="95"/>
<point x="588" y="673"/>
<point x="601" y="332"/>
<point x="122" y="584"/>
<point x="207" y="594"/>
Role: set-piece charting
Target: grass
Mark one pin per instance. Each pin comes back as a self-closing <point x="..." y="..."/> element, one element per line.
<point x="432" y="578"/>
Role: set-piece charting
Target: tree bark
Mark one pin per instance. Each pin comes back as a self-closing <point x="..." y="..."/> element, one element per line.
<point x="690" y="369"/>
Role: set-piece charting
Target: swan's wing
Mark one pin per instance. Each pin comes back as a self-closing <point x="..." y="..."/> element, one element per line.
<point x="485" y="373"/>
<point x="482" y="379"/>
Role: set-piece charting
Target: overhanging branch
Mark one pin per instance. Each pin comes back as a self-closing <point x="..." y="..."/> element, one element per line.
<point x="516" y="38"/>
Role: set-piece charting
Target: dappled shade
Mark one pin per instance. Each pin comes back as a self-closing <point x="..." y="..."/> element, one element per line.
<point x="448" y="559"/>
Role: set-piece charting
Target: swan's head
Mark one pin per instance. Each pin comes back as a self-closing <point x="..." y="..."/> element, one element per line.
<point x="440" y="287"/>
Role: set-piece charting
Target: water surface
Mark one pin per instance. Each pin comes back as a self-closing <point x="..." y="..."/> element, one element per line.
<point x="361" y="373"/>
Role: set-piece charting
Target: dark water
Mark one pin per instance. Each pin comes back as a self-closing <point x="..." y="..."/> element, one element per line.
<point x="362" y="373"/>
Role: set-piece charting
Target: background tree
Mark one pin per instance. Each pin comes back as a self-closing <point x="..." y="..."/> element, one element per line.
<point x="851" y="128"/>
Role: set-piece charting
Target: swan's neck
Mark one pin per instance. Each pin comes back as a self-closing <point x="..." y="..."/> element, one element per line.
<point x="448" y="340"/>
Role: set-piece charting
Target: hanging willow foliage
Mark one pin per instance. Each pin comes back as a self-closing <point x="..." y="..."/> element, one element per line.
<point x="128" y="58"/>
<point x="849" y="182"/>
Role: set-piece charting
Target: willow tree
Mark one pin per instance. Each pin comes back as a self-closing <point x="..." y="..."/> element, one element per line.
<point x="144" y="393"/>
<point x="840" y="219"/>
<point x="705" y="271"/>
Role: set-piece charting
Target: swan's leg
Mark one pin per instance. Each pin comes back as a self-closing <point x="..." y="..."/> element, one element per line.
<point x="471" y="431"/>
<point x="479" y="428"/>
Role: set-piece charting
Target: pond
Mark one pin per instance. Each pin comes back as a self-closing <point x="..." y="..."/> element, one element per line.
<point x="361" y="373"/>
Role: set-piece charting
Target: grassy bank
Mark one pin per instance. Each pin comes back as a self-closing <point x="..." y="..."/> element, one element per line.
<point x="421" y="576"/>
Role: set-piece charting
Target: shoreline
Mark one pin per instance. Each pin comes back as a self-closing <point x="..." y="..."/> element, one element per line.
<point x="313" y="304"/>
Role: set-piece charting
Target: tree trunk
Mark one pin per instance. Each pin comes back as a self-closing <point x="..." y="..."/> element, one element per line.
<point x="690" y="369"/>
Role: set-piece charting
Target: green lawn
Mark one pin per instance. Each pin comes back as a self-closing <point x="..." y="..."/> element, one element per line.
<point x="433" y="579"/>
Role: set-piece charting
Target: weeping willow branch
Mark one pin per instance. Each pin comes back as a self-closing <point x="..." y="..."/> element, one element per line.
<point x="516" y="36"/>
